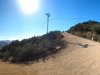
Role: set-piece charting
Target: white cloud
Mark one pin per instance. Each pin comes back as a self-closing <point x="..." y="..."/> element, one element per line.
<point x="6" y="38"/>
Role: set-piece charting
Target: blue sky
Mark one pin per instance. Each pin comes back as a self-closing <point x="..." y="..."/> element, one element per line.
<point x="15" y="24"/>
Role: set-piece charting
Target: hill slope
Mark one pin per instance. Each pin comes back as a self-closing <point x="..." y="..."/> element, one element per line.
<point x="4" y="42"/>
<point x="33" y="48"/>
<point x="74" y="60"/>
<point x="89" y="29"/>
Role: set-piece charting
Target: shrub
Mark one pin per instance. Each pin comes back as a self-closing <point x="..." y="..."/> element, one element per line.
<point x="6" y="55"/>
<point x="33" y="48"/>
<point x="95" y="38"/>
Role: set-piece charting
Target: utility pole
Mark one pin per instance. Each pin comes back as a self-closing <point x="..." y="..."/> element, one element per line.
<point x="48" y="15"/>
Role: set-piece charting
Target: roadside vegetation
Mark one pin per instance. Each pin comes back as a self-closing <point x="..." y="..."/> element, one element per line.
<point x="32" y="49"/>
<point x="89" y="29"/>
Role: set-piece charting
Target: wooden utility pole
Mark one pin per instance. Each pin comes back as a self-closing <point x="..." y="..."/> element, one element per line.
<point x="48" y="15"/>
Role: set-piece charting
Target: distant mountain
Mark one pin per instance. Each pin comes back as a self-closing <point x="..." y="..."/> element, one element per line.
<point x="4" y="42"/>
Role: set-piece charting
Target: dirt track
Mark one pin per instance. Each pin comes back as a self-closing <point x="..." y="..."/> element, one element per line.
<point x="74" y="60"/>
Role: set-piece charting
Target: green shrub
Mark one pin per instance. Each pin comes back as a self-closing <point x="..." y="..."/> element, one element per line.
<point x="6" y="55"/>
<point x="95" y="38"/>
<point x="33" y="48"/>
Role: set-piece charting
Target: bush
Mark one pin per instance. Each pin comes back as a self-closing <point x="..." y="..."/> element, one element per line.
<point x="6" y="55"/>
<point x="33" y="48"/>
<point x="83" y="35"/>
<point x="95" y="38"/>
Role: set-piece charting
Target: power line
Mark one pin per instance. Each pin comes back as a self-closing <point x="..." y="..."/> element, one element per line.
<point x="41" y="27"/>
<point x="68" y="18"/>
<point x="48" y="15"/>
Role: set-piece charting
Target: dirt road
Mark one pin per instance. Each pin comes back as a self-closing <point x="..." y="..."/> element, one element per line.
<point x="81" y="57"/>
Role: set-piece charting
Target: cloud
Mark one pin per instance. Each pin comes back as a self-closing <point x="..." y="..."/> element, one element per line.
<point x="6" y="38"/>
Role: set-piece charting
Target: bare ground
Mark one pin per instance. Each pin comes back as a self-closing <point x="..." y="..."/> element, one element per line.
<point x="81" y="57"/>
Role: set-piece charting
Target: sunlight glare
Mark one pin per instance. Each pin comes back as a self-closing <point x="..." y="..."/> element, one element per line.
<point x="29" y="6"/>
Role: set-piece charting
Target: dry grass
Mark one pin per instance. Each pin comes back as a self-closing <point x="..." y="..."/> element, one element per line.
<point x="13" y="69"/>
<point x="74" y="60"/>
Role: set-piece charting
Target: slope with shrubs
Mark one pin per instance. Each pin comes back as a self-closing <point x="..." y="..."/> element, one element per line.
<point x="89" y="29"/>
<point x="33" y="48"/>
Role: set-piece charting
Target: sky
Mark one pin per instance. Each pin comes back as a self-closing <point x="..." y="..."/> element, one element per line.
<point x="15" y="23"/>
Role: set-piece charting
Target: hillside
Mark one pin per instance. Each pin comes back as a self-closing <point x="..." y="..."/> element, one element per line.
<point x="76" y="59"/>
<point x="88" y="29"/>
<point x="33" y="48"/>
<point x="4" y="42"/>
